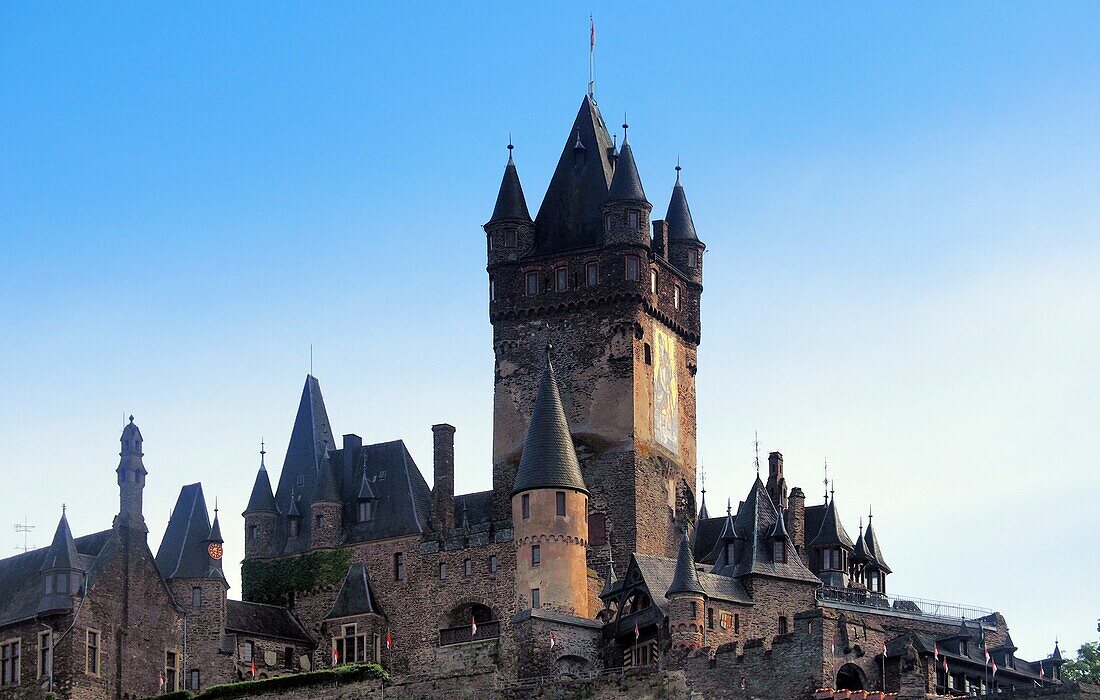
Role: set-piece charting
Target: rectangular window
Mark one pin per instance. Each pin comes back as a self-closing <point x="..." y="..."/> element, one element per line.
<point x="525" y="501"/>
<point x="295" y="527"/>
<point x="288" y="657"/>
<point x="536" y="601"/>
<point x="592" y="274"/>
<point x="536" y="555"/>
<point x="349" y="647"/>
<point x="607" y="224"/>
<point x="45" y="657"/>
<point x="648" y="354"/>
<point x="633" y="267"/>
<point x="489" y="237"/>
<point x="468" y="568"/>
<point x="193" y="679"/>
<point x="736" y="623"/>
<point x="780" y="552"/>
<point x="320" y="522"/>
<point x="710" y="618"/>
<point x="652" y="281"/>
<point x="492" y="563"/>
<point x="692" y="259"/>
<point x="559" y="497"/>
<point x="782" y="625"/>
<point x="196" y="596"/>
<point x="492" y="289"/>
<point x="532" y="283"/>
<point x="442" y="570"/>
<point x="9" y="662"/>
<point x="399" y="567"/>
<point x="171" y="672"/>
<point x="509" y="238"/>
<point x="597" y="530"/>
<point x="92" y="660"/>
<point x="247" y="651"/>
<point x="676" y="298"/>
<point x="366" y="511"/>
<point x="632" y="219"/>
<point x="254" y="532"/>
<point x="561" y="279"/>
<point x="694" y="609"/>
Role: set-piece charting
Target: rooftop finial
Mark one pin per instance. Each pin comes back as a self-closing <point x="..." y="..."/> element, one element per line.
<point x="625" y="127"/>
<point x="215" y="506"/>
<point x="678" y="168"/>
<point x="591" y="58"/>
<point x="756" y="446"/>
<point x="510" y="146"/>
<point x="826" y="482"/>
<point x="729" y="507"/>
<point x="131" y="418"/>
<point x="869" y="516"/>
<point x="861" y="524"/>
<point x="703" y="480"/>
<point x="63" y="509"/>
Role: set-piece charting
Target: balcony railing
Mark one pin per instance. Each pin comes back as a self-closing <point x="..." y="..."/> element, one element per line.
<point x="905" y="605"/>
<point x="461" y="635"/>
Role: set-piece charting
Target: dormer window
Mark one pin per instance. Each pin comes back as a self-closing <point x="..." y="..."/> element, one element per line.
<point x="509" y="238"/>
<point x="532" y="283"/>
<point x="295" y="527"/>
<point x="366" y="511"/>
<point x="780" y="552"/>
<point x="561" y="279"/>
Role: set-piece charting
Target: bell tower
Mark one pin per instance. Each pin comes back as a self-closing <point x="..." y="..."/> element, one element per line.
<point x="619" y="296"/>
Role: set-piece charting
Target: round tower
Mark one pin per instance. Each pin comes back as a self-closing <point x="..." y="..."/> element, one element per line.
<point x="326" y="508"/>
<point x="550" y="510"/>
<point x="260" y="515"/>
<point x="685" y="250"/>
<point x="626" y="210"/>
<point x="131" y="479"/>
<point x="510" y="232"/>
<point x="686" y="601"/>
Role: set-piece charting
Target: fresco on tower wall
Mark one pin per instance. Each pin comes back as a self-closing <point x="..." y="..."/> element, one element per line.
<point x="666" y="407"/>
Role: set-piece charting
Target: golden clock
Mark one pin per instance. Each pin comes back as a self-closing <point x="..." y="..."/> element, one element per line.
<point x="215" y="550"/>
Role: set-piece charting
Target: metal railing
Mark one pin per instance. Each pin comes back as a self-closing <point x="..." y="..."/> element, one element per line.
<point x="460" y="635"/>
<point x="907" y="605"/>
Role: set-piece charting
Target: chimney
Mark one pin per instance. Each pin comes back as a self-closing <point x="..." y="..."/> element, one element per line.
<point x="660" y="238"/>
<point x="777" y="485"/>
<point x="796" y="522"/>
<point x="352" y="445"/>
<point x="443" y="484"/>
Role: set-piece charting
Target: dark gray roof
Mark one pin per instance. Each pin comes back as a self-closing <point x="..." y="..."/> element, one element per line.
<point x="366" y="493"/>
<point x="478" y="507"/>
<point x="262" y="498"/>
<point x="874" y="552"/>
<point x="626" y="183"/>
<point x="511" y="205"/>
<point x="183" y="549"/>
<point x="263" y="621"/>
<point x="609" y="582"/>
<point x="779" y="530"/>
<point x="832" y="530"/>
<point x="327" y="490"/>
<point x="658" y="573"/>
<point x="549" y="459"/>
<point x="215" y="530"/>
<point x="686" y="578"/>
<point x="403" y="499"/>
<point x="680" y="225"/>
<point x="707" y="533"/>
<point x="570" y="214"/>
<point x="130" y="455"/>
<point x="859" y="550"/>
<point x="22" y="585"/>
<point x="356" y="596"/>
<point x="813" y="516"/>
<point x="703" y="515"/>
<point x="62" y="551"/>
<point x="755" y="522"/>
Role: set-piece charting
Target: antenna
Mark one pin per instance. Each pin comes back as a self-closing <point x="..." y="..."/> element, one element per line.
<point x="25" y="528"/>
<point x="756" y="445"/>
<point x="591" y="58"/>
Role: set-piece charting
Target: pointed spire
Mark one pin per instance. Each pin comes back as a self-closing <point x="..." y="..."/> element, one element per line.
<point x="327" y="488"/>
<point x="870" y="543"/>
<point x="262" y="498"/>
<point x="131" y="453"/>
<point x="680" y="224"/>
<point x="832" y="530"/>
<point x="1057" y="655"/>
<point x="62" y="552"/>
<point x="609" y="581"/>
<point x="310" y="438"/>
<point x="779" y="530"/>
<point x="549" y="459"/>
<point x="703" y="500"/>
<point x="626" y="184"/>
<point x="686" y="578"/>
<point x="511" y="204"/>
<point x="215" y="529"/>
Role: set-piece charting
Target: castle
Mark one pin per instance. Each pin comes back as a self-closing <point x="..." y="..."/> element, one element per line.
<point x="590" y="552"/>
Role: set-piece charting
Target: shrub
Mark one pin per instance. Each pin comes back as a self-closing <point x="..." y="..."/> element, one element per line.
<point x="342" y="674"/>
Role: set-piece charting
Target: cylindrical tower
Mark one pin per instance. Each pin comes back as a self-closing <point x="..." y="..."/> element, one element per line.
<point x="260" y="515"/>
<point x="686" y="601"/>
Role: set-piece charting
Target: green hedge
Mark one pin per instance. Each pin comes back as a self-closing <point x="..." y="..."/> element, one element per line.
<point x="271" y="581"/>
<point x="243" y="689"/>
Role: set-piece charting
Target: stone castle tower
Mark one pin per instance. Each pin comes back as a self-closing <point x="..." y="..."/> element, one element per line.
<point x="619" y="297"/>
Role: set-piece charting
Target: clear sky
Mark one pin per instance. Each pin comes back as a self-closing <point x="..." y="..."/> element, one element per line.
<point x="900" y="203"/>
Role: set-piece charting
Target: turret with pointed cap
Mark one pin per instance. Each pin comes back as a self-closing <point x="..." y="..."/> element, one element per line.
<point x="626" y="211"/>
<point x="685" y="250"/>
<point x="550" y="510"/>
<point x="833" y="548"/>
<point x="326" y="508"/>
<point x="131" y="479"/>
<point x="260" y="515"/>
<point x="61" y="571"/>
<point x="686" y="597"/>
<point x="686" y="578"/>
<point x="511" y="205"/>
<point x="510" y="232"/>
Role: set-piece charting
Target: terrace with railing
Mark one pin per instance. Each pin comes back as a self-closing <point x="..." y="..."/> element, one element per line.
<point x="490" y="629"/>
<point x="901" y="606"/>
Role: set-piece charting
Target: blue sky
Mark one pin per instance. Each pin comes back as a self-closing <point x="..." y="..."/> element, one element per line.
<point x="899" y="201"/>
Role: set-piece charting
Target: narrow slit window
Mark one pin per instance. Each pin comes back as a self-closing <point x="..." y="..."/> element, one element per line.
<point x="532" y="283"/>
<point x="592" y="274"/>
<point x="559" y="498"/>
<point x="536" y="555"/>
<point x="561" y="279"/>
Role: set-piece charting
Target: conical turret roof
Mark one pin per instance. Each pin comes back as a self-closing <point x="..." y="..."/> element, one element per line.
<point x="327" y="489"/>
<point x="511" y="204"/>
<point x="832" y="530"/>
<point x="262" y="498"/>
<point x="686" y="578"/>
<point x="62" y="552"/>
<point x="549" y="459"/>
<point x="680" y="224"/>
<point x="130" y="455"/>
<point x="626" y="184"/>
<point x="779" y="530"/>
<point x="874" y="552"/>
<point x="215" y="530"/>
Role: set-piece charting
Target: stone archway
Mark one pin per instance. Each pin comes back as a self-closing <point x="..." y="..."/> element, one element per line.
<point x="850" y="677"/>
<point x="571" y="665"/>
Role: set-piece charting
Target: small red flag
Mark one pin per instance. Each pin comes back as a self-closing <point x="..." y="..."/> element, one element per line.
<point x="591" y="33"/>
<point x="552" y="641"/>
<point x="253" y="669"/>
<point x="994" y="667"/>
<point x="473" y="626"/>
<point x="637" y="632"/>
<point x="884" y="650"/>
<point x="936" y="652"/>
<point x="945" y="671"/>
<point x="1042" y="673"/>
<point x="335" y="656"/>
<point x="389" y="640"/>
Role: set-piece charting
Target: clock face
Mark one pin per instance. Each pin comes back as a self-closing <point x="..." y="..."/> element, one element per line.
<point x="215" y="550"/>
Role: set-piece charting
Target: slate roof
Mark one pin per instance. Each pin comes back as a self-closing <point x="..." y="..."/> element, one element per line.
<point x="549" y="459"/>
<point x="870" y="543"/>
<point x="403" y="499"/>
<point x="755" y="522"/>
<point x="813" y="516"/>
<point x="263" y="621"/>
<point x="479" y="507"/>
<point x="511" y="205"/>
<point x="183" y="549"/>
<point x="832" y="530"/>
<point x="659" y="572"/>
<point x="925" y="643"/>
<point x="356" y="596"/>
<point x="327" y="490"/>
<point x="570" y="214"/>
<point x="262" y="498"/>
<point x="703" y="515"/>
<point x="22" y="585"/>
<point x="62" y="551"/>
<point x="626" y="183"/>
<point x="680" y="224"/>
<point x="706" y="538"/>
<point x="686" y="578"/>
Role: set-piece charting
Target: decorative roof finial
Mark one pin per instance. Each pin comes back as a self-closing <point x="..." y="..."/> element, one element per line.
<point x="729" y="507"/>
<point x="861" y="525"/>
<point x="826" y="482"/>
<point x="591" y="58"/>
<point x="756" y="446"/>
<point x="215" y="506"/>
<point x="510" y="146"/>
<point x="131" y="418"/>
<point x="678" y="168"/>
<point x="63" y="509"/>
<point x="869" y="516"/>
<point x="625" y="127"/>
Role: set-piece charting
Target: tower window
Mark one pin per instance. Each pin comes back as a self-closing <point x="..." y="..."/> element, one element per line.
<point x="607" y="224"/>
<point x="320" y="521"/>
<point x="492" y="563"/>
<point x="652" y="281"/>
<point x="525" y="505"/>
<point x="648" y="353"/>
<point x="92" y="659"/>
<point x="694" y="609"/>
<point x="633" y="266"/>
<point x="399" y="567"/>
<point x="536" y="599"/>
<point x="559" y="497"/>
<point x="676" y="298"/>
<point x="509" y="238"/>
<point x="492" y="289"/>
<point x="592" y="274"/>
<point x="536" y="555"/>
<point x="196" y="596"/>
<point x="468" y="568"/>
<point x="490" y="239"/>
<point x="442" y="570"/>
<point x="736" y="623"/>
<point x="532" y="283"/>
<point x="561" y="279"/>
<point x="632" y="219"/>
<point x="692" y="259"/>
<point x="193" y="681"/>
<point x="295" y="527"/>
<point x="366" y="511"/>
<point x="710" y="618"/>
<point x="782" y="625"/>
<point x="254" y="532"/>
<point x="597" y="530"/>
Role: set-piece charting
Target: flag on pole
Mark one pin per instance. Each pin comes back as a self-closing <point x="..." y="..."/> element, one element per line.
<point x="994" y="667"/>
<point x="591" y="33"/>
<point x="335" y="656"/>
<point x="936" y="652"/>
<point x="253" y="668"/>
<point x="637" y="632"/>
<point x="945" y="671"/>
<point x="160" y="680"/>
<point x="389" y="640"/>
<point x="473" y="626"/>
<point x="884" y="654"/>
<point x="987" y="659"/>
<point x="1042" y="673"/>
<point x="552" y="641"/>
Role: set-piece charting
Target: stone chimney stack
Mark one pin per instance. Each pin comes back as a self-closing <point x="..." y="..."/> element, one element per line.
<point x="796" y="522"/>
<point x="777" y="485"/>
<point x="443" y="484"/>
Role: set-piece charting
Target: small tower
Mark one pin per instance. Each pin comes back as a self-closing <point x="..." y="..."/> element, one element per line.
<point x="685" y="250"/>
<point x="131" y="480"/>
<point x="832" y="549"/>
<point x="326" y="508"/>
<point x="549" y="510"/>
<point x="626" y="210"/>
<point x="876" y="568"/>
<point x="510" y="232"/>
<point x="61" y="573"/>
<point x="685" y="601"/>
<point x="261" y="515"/>
<point x="215" y="545"/>
<point x="777" y="483"/>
